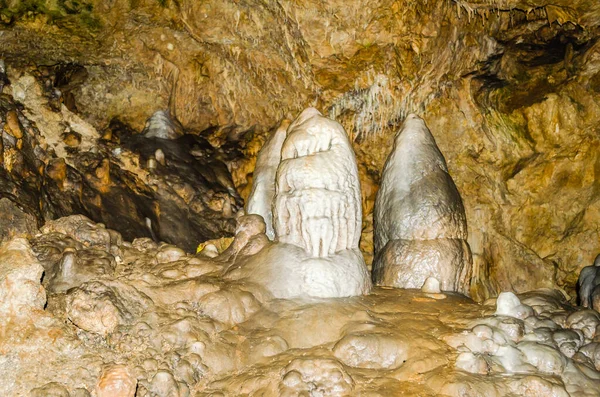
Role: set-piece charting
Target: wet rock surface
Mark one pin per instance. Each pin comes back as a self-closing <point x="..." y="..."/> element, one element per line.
<point x="589" y="285"/>
<point x="510" y="90"/>
<point x="174" y="190"/>
<point x="166" y="323"/>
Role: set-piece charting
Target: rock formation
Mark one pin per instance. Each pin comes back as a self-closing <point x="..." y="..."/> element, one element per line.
<point x="316" y="216"/>
<point x="511" y="90"/>
<point x="161" y="125"/>
<point x="186" y="197"/>
<point x="317" y="201"/>
<point x="420" y="223"/>
<point x="261" y="197"/>
<point x="589" y="285"/>
<point x="20" y="275"/>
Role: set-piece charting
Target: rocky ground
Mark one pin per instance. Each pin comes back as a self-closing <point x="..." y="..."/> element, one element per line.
<point x="117" y="318"/>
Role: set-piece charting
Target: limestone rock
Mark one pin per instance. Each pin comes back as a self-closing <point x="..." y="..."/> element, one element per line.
<point x="15" y="222"/>
<point x="412" y="262"/>
<point x="101" y="307"/>
<point x="77" y="267"/>
<point x="20" y="279"/>
<point x="316" y="215"/>
<point x="508" y="304"/>
<point x="230" y="307"/>
<point x="162" y="125"/>
<point x="297" y="274"/>
<point x="52" y="389"/>
<point x="116" y="381"/>
<point x="81" y="229"/>
<point x="318" y="376"/>
<point x="317" y="201"/>
<point x="371" y="351"/>
<point x="420" y="223"/>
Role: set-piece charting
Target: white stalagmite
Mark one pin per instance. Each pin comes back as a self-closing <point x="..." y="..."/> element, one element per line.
<point x="317" y="217"/>
<point x="260" y="201"/>
<point x="317" y="202"/>
<point x="162" y="125"/>
<point x="420" y="222"/>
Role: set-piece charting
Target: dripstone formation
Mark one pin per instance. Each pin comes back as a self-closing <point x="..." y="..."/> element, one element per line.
<point x="420" y="222"/>
<point x="316" y="215"/>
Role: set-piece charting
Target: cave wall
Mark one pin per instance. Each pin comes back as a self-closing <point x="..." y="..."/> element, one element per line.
<point x="510" y="90"/>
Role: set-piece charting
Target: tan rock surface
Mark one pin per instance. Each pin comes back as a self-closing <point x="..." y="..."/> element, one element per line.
<point x="508" y="88"/>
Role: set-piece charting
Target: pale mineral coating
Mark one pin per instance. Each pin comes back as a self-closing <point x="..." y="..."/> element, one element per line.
<point x="417" y="198"/>
<point x="317" y="204"/>
<point x="288" y="271"/>
<point x="420" y="223"/>
<point x="20" y="276"/>
<point x="260" y="200"/>
<point x="233" y="339"/>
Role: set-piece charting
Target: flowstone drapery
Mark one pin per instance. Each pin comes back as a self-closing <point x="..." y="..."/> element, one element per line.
<point x="316" y="216"/>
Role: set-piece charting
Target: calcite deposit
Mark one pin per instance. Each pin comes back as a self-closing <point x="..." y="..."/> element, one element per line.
<point x="420" y="223"/>
<point x="509" y="89"/>
<point x="316" y="215"/>
<point x="167" y="324"/>
<point x="261" y="197"/>
<point x="144" y="185"/>
<point x="589" y="285"/>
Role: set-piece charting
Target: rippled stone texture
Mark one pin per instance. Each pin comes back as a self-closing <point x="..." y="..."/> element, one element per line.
<point x="169" y="322"/>
<point x="420" y="223"/>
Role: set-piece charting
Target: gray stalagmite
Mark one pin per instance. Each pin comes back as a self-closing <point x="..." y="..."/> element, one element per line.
<point x="420" y="222"/>
<point x="589" y="285"/>
<point x="162" y="125"/>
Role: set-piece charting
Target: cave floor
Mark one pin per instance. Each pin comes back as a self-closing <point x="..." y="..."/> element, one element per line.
<point x="147" y="319"/>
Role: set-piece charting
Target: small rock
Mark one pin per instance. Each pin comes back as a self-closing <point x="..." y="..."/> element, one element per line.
<point x="15" y="222"/>
<point x="101" y="307"/>
<point x="371" y="351"/>
<point x="508" y="304"/>
<point x="431" y="286"/>
<point x="52" y="389"/>
<point x="116" y="381"/>
<point x="169" y="253"/>
<point x="232" y="306"/>
<point x="20" y="274"/>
